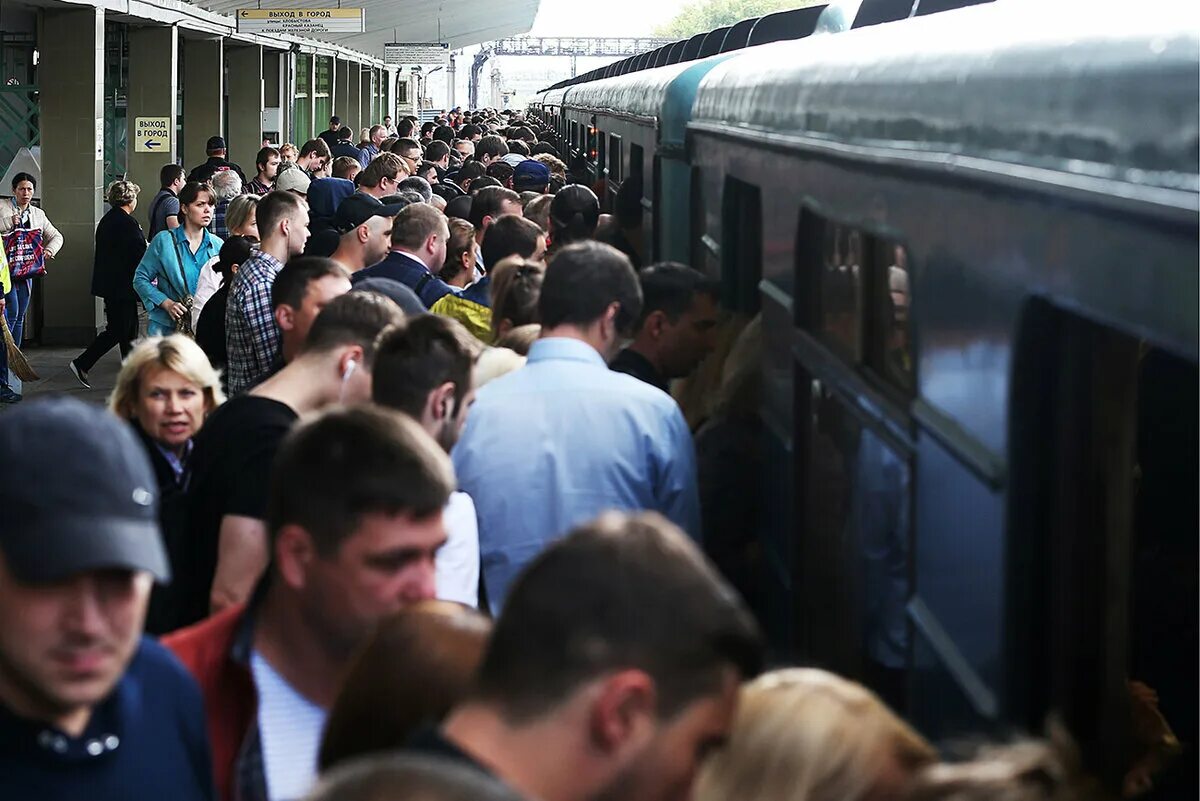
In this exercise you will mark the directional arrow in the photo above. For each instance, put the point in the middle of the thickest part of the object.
(153, 144)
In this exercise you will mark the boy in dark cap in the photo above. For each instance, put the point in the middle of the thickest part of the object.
(88, 707)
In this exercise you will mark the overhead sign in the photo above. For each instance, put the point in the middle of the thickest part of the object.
(151, 134)
(301, 21)
(415, 53)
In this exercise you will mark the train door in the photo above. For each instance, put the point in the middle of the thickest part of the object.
(1104, 517)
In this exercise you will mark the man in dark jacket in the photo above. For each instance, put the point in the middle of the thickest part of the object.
(120, 245)
(215, 148)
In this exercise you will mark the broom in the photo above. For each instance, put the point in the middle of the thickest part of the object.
(17, 362)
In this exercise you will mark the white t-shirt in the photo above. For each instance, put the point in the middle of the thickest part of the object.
(290, 727)
(457, 562)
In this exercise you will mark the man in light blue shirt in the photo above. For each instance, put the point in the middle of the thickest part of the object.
(558, 442)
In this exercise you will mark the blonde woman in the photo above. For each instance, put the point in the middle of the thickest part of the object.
(166, 389)
(808, 735)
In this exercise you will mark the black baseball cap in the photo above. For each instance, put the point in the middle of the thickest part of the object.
(87, 499)
(360, 207)
(215, 143)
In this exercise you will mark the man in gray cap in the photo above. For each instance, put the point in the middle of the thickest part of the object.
(89, 708)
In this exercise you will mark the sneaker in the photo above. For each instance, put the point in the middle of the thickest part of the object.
(79, 374)
(8, 396)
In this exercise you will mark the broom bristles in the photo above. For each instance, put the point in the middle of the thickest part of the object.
(17, 362)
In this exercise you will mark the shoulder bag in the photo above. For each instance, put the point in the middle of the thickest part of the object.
(184, 324)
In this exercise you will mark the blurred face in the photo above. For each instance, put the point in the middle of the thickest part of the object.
(320, 293)
(379, 240)
(685, 343)
(250, 227)
(465, 149)
(540, 253)
(296, 230)
(199, 213)
(169, 407)
(23, 194)
(411, 157)
(287, 154)
(385, 566)
(269, 170)
(64, 644)
(438, 255)
(666, 768)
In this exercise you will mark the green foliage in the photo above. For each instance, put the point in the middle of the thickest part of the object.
(705, 15)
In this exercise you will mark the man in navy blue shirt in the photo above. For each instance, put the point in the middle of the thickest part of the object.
(88, 707)
(419, 238)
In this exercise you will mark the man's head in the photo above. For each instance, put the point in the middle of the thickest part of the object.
(531, 176)
(678, 324)
(416, 183)
(651, 646)
(408, 777)
(490, 148)
(303, 288)
(381, 177)
(464, 147)
(574, 214)
(215, 146)
(314, 154)
(491, 203)
(335, 123)
(267, 162)
(512, 235)
(282, 224)
(345, 134)
(355, 516)
(423, 368)
(79, 545)
(439, 153)
(378, 134)
(346, 167)
(422, 230)
(172, 177)
(592, 290)
(468, 173)
(226, 185)
(366, 226)
(405, 128)
(343, 339)
(471, 133)
(387, 120)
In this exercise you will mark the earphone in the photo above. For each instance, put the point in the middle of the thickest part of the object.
(351, 366)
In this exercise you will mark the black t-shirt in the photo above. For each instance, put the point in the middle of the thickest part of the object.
(230, 475)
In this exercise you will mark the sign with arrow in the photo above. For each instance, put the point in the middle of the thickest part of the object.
(301, 21)
(152, 134)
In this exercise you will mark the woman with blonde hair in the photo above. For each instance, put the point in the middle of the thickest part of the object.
(807, 735)
(166, 389)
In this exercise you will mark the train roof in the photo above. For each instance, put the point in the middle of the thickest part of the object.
(1082, 88)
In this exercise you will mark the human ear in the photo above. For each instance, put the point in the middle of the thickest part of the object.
(294, 555)
(622, 711)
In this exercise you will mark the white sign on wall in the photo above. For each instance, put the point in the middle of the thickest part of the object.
(151, 134)
(301, 21)
(413, 54)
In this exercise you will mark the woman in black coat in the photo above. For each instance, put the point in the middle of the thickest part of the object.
(120, 245)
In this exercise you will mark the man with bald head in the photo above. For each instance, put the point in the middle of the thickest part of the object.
(418, 251)
(366, 226)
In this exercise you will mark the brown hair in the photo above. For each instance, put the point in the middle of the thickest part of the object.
(385, 165)
(462, 239)
(516, 286)
(419, 663)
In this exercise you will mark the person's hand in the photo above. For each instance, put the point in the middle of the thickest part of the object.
(49, 255)
(1, 304)
(173, 308)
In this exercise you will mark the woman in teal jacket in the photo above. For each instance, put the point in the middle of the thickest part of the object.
(175, 257)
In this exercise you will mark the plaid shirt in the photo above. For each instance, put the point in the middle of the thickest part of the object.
(217, 226)
(256, 187)
(251, 335)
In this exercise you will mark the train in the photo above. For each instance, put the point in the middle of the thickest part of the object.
(968, 243)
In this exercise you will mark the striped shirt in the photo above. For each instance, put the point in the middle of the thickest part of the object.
(251, 334)
(289, 730)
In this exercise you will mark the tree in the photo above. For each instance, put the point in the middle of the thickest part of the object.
(702, 16)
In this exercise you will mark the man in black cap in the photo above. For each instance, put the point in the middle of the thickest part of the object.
(215, 148)
(88, 707)
(330, 135)
(366, 226)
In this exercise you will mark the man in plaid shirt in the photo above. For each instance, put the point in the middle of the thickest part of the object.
(251, 335)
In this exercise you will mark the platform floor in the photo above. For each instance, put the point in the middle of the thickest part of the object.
(56, 379)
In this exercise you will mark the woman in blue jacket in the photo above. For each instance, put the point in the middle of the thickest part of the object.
(174, 258)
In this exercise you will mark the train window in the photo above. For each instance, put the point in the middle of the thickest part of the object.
(614, 158)
(600, 156)
(574, 139)
(858, 296)
(741, 250)
(855, 554)
(593, 136)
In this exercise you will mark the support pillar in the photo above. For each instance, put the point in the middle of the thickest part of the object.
(245, 105)
(71, 72)
(273, 119)
(364, 107)
(153, 56)
(352, 108)
(341, 88)
(451, 84)
(203, 97)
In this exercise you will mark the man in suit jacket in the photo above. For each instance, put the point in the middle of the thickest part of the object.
(120, 245)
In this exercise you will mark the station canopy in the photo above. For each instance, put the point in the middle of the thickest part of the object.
(458, 23)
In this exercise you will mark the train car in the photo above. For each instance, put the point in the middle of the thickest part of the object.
(971, 243)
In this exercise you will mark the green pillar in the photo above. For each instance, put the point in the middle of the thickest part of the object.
(153, 56)
(341, 88)
(245, 105)
(203, 97)
(352, 108)
(366, 108)
(71, 73)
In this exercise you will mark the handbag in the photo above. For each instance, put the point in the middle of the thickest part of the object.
(26, 253)
(184, 324)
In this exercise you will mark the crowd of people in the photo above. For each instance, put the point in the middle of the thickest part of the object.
(394, 502)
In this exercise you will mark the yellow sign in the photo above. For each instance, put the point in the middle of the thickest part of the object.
(301, 21)
(152, 134)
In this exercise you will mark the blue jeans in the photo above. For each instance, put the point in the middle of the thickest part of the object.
(16, 304)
